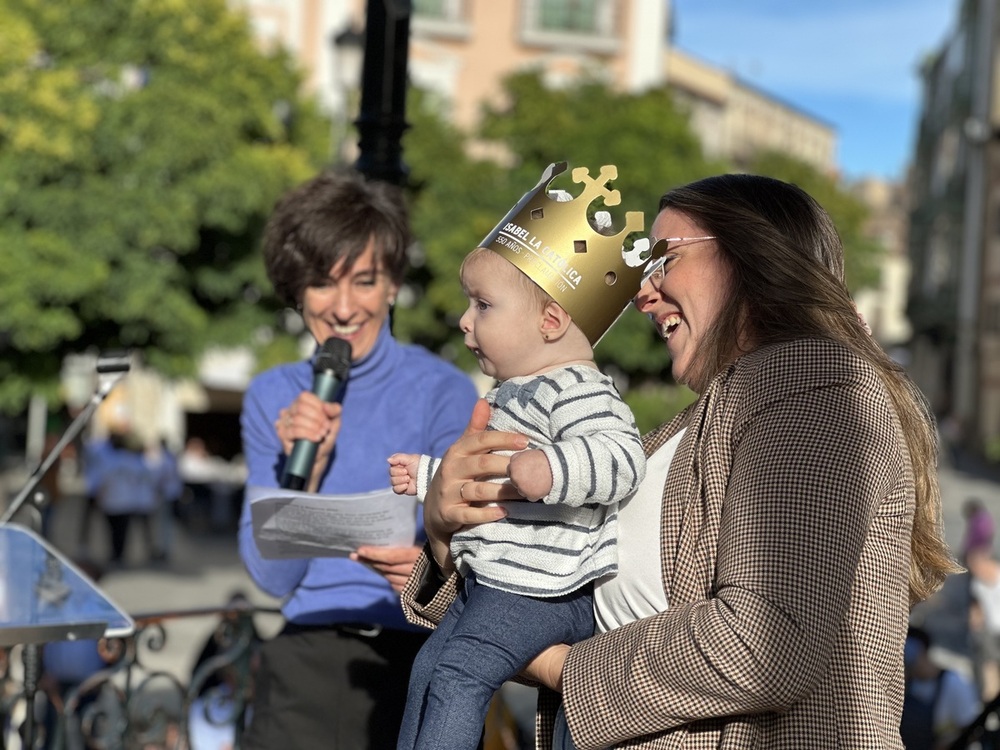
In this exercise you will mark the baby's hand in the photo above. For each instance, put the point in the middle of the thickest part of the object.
(403, 473)
(531, 474)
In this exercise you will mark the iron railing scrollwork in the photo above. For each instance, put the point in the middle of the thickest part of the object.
(129, 706)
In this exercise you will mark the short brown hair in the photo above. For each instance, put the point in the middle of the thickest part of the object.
(331, 219)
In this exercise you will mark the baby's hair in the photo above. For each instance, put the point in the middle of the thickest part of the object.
(539, 295)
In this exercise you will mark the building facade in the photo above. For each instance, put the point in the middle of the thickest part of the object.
(463, 49)
(884, 307)
(735, 120)
(954, 235)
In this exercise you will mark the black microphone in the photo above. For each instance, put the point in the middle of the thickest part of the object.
(333, 360)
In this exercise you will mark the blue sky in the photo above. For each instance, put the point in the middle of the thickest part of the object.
(850, 63)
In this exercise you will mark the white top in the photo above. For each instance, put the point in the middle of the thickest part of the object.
(988, 596)
(637, 590)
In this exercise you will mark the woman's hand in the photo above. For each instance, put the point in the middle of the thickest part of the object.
(310, 418)
(547, 667)
(395, 563)
(458, 495)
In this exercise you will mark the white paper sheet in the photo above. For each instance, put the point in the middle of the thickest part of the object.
(289, 524)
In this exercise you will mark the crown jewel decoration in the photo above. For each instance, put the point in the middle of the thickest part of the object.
(554, 244)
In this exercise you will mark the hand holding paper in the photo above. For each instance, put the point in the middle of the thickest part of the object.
(395, 563)
(289, 524)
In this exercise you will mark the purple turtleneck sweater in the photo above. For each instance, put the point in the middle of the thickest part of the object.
(398, 398)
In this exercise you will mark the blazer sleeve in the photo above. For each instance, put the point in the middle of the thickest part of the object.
(426, 596)
(808, 472)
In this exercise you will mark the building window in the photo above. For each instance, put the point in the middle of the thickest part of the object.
(568, 15)
(441, 18)
(590, 23)
(440, 10)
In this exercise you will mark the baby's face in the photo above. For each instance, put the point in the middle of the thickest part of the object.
(502, 324)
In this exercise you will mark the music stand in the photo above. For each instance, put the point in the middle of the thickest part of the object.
(44, 597)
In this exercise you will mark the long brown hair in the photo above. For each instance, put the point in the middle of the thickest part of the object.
(787, 281)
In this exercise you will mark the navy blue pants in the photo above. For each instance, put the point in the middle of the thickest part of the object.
(486, 638)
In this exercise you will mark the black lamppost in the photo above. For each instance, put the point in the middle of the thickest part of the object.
(348, 57)
(382, 117)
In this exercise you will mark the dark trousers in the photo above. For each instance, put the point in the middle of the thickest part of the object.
(486, 638)
(331, 688)
(119, 524)
(90, 509)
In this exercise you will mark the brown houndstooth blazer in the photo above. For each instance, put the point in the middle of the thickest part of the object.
(786, 529)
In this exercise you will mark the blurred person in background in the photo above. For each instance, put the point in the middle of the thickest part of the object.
(213, 713)
(94, 450)
(984, 619)
(979, 527)
(335, 249)
(127, 488)
(170, 488)
(939, 702)
(65, 666)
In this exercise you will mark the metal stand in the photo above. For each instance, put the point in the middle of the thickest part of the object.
(110, 370)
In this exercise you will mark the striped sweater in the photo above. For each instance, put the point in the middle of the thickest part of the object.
(549, 548)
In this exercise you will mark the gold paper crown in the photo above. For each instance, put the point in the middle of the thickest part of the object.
(555, 245)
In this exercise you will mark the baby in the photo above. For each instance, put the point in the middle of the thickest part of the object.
(528, 579)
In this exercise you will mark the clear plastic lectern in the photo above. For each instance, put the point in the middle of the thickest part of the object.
(44, 597)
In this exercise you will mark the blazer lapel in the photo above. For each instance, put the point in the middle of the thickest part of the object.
(692, 499)
(676, 488)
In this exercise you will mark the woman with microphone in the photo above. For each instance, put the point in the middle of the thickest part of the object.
(335, 249)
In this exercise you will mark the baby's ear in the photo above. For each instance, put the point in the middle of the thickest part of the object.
(555, 321)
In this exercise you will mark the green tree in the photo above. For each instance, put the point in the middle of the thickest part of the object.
(456, 199)
(142, 145)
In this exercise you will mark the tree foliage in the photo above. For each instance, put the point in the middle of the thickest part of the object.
(456, 199)
(142, 144)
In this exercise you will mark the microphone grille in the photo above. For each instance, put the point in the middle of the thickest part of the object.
(335, 355)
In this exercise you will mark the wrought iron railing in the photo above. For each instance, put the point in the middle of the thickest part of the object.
(129, 705)
(984, 732)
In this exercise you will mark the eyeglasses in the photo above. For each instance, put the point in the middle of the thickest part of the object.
(654, 271)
